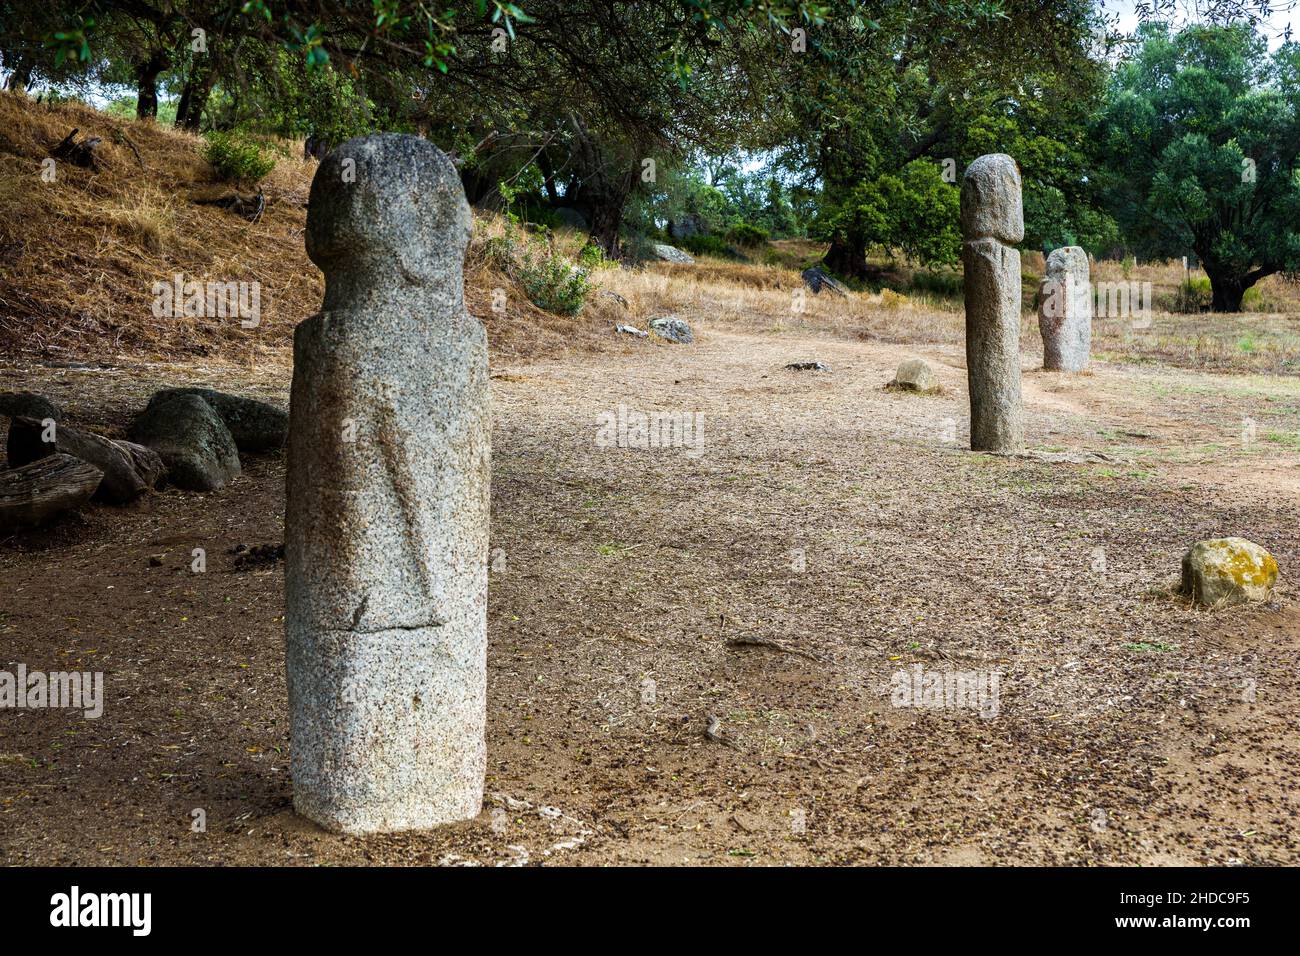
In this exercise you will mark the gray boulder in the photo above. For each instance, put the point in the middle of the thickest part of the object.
(129, 469)
(914, 375)
(1224, 571)
(686, 226)
(673, 329)
(671, 254)
(192, 440)
(255, 426)
(29, 405)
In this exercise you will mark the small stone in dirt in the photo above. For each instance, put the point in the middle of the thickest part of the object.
(818, 279)
(254, 425)
(631, 330)
(914, 375)
(808, 367)
(257, 555)
(28, 405)
(192, 440)
(673, 329)
(1223, 571)
(671, 254)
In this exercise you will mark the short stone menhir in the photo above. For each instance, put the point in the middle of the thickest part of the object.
(1065, 311)
(992, 224)
(386, 523)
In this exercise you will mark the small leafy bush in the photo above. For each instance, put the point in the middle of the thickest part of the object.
(743, 234)
(237, 160)
(551, 281)
(1195, 295)
(702, 245)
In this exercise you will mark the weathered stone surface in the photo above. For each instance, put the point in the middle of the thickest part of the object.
(255, 426)
(813, 366)
(29, 405)
(148, 464)
(1065, 311)
(686, 226)
(631, 330)
(129, 470)
(671, 254)
(818, 279)
(191, 439)
(914, 375)
(673, 329)
(36, 492)
(990, 200)
(386, 523)
(1225, 571)
(992, 218)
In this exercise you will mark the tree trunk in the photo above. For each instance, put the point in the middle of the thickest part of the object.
(548, 178)
(21, 78)
(194, 97)
(605, 220)
(847, 259)
(146, 104)
(1227, 289)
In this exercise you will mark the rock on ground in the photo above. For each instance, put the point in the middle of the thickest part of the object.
(671, 254)
(129, 470)
(29, 405)
(673, 329)
(255, 426)
(36, 492)
(818, 279)
(192, 441)
(914, 375)
(1224, 571)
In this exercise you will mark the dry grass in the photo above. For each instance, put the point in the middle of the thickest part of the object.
(79, 256)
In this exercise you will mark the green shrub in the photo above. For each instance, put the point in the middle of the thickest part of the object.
(237, 160)
(702, 245)
(552, 282)
(945, 284)
(591, 257)
(743, 234)
(1195, 295)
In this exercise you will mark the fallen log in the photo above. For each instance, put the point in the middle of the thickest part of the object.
(32, 494)
(79, 154)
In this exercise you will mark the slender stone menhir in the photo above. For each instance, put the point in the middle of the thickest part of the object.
(386, 523)
(1065, 311)
(992, 222)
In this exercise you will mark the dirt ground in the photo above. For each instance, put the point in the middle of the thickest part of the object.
(692, 649)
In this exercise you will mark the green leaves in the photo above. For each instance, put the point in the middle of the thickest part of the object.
(72, 44)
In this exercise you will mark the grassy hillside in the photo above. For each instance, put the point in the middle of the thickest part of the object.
(79, 255)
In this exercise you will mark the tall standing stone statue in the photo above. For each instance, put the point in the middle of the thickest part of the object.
(386, 523)
(1065, 311)
(992, 222)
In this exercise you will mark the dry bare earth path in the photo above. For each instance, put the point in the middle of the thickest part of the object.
(839, 531)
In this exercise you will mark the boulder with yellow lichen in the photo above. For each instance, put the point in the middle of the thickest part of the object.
(1223, 571)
